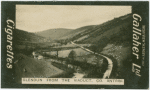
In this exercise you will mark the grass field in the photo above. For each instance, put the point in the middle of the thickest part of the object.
(29, 67)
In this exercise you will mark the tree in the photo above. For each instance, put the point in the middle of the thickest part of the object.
(72, 55)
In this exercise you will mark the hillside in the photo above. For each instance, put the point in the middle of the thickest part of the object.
(20, 35)
(76, 32)
(25, 42)
(29, 67)
(113, 31)
(53, 34)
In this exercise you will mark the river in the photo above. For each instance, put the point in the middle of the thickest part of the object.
(78, 75)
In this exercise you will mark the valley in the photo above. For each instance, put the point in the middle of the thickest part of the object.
(94, 51)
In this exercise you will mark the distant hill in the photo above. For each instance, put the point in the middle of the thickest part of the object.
(81, 34)
(78, 31)
(116, 30)
(23, 36)
(54, 33)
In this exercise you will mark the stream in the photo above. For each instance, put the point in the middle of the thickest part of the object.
(78, 75)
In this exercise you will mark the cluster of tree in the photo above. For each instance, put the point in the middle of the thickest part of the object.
(85, 65)
(62, 41)
(27, 50)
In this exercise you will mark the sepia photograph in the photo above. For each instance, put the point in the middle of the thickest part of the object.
(75, 45)
(72, 41)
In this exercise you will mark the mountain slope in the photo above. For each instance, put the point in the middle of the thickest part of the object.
(111, 31)
(76, 32)
(20, 35)
(54, 33)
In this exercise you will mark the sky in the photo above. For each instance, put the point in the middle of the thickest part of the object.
(35, 18)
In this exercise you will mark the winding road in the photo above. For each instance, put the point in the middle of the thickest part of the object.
(110, 63)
